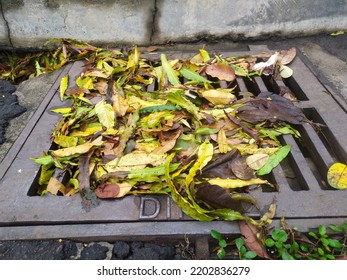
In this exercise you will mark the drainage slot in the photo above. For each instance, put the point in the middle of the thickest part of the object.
(326, 136)
(295, 182)
(295, 88)
(251, 86)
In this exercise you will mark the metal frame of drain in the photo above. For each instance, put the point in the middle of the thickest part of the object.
(303, 198)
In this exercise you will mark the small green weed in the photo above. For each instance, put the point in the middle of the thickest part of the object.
(243, 252)
(285, 243)
(221, 243)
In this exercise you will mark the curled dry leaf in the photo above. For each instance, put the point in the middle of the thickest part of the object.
(221, 71)
(287, 56)
(252, 242)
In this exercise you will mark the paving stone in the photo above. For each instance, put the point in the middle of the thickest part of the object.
(121, 250)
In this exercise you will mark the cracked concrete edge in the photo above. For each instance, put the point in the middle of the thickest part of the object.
(5, 31)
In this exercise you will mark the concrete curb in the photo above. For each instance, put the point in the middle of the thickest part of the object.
(30, 23)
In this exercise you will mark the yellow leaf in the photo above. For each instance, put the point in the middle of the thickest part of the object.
(205, 154)
(66, 141)
(64, 110)
(222, 142)
(337, 176)
(86, 82)
(124, 188)
(135, 160)
(120, 105)
(105, 114)
(80, 149)
(257, 161)
(54, 186)
(340, 32)
(237, 183)
(63, 86)
(218, 97)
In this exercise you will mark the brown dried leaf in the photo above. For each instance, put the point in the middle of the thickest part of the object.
(271, 107)
(240, 168)
(221, 71)
(252, 242)
(169, 141)
(287, 56)
(217, 197)
(83, 167)
(107, 191)
(152, 49)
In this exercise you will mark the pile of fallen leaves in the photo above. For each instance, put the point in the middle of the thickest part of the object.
(141, 126)
(18, 66)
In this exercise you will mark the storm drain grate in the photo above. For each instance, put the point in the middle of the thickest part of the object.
(303, 197)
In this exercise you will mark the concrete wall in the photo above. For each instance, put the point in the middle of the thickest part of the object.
(30, 23)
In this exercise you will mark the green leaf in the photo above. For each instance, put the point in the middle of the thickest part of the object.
(274, 160)
(171, 74)
(239, 243)
(322, 230)
(221, 253)
(279, 235)
(66, 141)
(216, 234)
(228, 215)
(206, 131)
(222, 243)
(335, 228)
(75, 183)
(46, 173)
(193, 76)
(177, 98)
(313, 235)
(150, 174)
(65, 110)
(250, 255)
(334, 243)
(320, 251)
(269, 242)
(336, 33)
(63, 86)
(105, 114)
(286, 255)
(44, 160)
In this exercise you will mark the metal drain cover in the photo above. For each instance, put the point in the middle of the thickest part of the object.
(304, 198)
